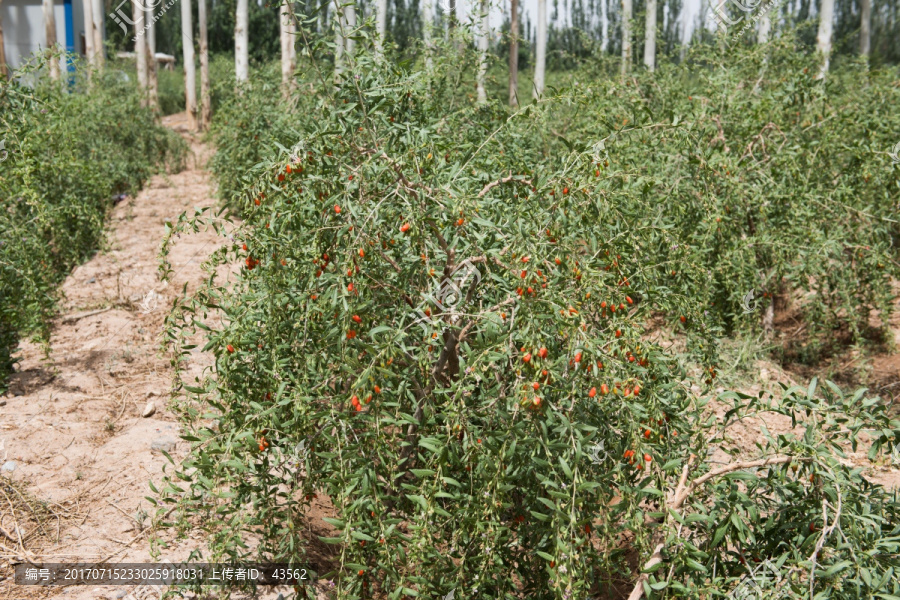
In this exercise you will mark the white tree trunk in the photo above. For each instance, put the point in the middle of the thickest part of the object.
(826, 26)
(150, 34)
(865, 27)
(190, 80)
(540, 64)
(765, 26)
(287, 50)
(514, 53)
(241, 43)
(427, 26)
(50, 35)
(650, 36)
(350, 20)
(339, 25)
(626, 37)
(99, 49)
(483, 40)
(4, 70)
(205, 106)
(140, 44)
(380, 26)
(88, 12)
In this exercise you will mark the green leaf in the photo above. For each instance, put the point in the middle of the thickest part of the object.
(695, 566)
(330, 540)
(337, 523)
(565, 467)
(548, 503)
(836, 568)
(418, 499)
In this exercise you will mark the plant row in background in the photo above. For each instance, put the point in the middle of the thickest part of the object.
(66, 155)
(440, 323)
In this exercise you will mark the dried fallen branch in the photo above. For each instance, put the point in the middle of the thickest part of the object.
(682, 493)
(79, 316)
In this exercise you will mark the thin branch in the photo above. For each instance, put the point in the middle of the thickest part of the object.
(509, 179)
(826, 531)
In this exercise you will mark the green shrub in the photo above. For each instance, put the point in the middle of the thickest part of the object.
(440, 324)
(246, 128)
(776, 185)
(68, 154)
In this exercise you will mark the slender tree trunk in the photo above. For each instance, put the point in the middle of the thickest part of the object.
(50, 35)
(99, 48)
(190, 80)
(205, 106)
(540, 64)
(451, 18)
(287, 50)
(140, 44)
(765, 26)
(350, 21)
(4, 70)
(823, 40)
(88, 12)
(427, 26)
(339, 24)
(380, 25)
(152, 79)
(514, 53)
(650, 36)
(626, 37)
(241, 43)
(762, 38)
(483, 40)
(865, 27)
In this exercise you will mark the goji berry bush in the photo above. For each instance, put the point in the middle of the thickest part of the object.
(775, 184)
(66, 155)
(440, 324)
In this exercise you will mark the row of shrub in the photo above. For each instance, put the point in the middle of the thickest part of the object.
(775, 184)
(440, 325)
(67, 154)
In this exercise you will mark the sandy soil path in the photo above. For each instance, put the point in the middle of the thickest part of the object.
(72, 430)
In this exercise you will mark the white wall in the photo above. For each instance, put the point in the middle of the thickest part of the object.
(23, 28)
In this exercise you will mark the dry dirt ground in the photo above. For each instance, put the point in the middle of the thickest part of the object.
(73, 429)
